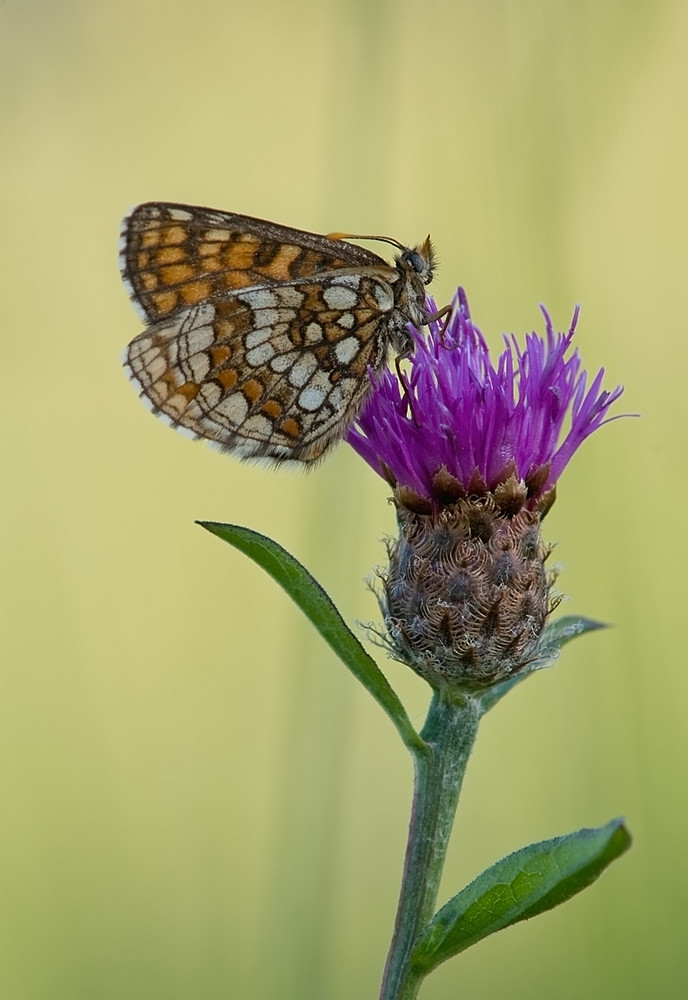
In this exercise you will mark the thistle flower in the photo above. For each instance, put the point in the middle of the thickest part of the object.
(473, 453)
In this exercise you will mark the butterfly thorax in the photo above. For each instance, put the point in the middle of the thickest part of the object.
(415, 267)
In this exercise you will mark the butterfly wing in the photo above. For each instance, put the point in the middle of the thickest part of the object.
(176, 256)
(276, 371)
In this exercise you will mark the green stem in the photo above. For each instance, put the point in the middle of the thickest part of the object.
(448, 734)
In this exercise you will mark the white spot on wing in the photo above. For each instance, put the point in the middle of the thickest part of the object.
(180, 214)
(234, 407)
(201, 314)
(259, 298)
(340, 297)
(302, 370)
(259, 426)
(255, 337)
(267, 317)
(311, 398)
(199, 365)
(346, 349)
(283, 361)
(153, 367)
(199, 339)
(139, 345)
(210, 393)
(260, 355)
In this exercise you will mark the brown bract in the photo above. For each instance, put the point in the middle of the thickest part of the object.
(466, 595)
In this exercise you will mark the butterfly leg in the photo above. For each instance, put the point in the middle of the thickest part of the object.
(405, 383)
(446, 311)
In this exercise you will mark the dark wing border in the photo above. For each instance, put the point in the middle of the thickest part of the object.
(210, 218)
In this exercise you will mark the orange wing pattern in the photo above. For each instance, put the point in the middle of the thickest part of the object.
(175, 256)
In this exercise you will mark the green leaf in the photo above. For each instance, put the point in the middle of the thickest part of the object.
(307, 593)
(554, 636)
(520, 886)
(563, 630)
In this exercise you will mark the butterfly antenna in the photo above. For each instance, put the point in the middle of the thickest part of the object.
(354, 236)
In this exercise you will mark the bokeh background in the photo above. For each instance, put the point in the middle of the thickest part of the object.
(197, 799)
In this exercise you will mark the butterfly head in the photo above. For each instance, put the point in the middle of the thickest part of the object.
(420, 260)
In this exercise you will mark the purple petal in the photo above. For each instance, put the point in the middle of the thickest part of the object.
(459, 412)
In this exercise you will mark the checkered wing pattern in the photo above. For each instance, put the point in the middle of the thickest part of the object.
(272, 371)
(261, 338)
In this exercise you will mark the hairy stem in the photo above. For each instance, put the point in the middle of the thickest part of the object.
(448, 734)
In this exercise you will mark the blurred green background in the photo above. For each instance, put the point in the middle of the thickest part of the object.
(197, 800)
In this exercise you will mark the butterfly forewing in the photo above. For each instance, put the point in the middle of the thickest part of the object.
(174, 256)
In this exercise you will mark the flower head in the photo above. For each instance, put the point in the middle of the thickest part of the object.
(473, 453)
(462, 427)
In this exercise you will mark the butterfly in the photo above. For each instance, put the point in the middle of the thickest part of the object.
(262, 338)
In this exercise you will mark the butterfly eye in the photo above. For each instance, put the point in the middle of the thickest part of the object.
(413, 258)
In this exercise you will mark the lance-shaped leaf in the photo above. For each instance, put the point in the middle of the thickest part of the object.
(563, 630)
(554, 636)
(525, 883)
(307, 593)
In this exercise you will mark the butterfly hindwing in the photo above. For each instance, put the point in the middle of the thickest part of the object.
(277, 371)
